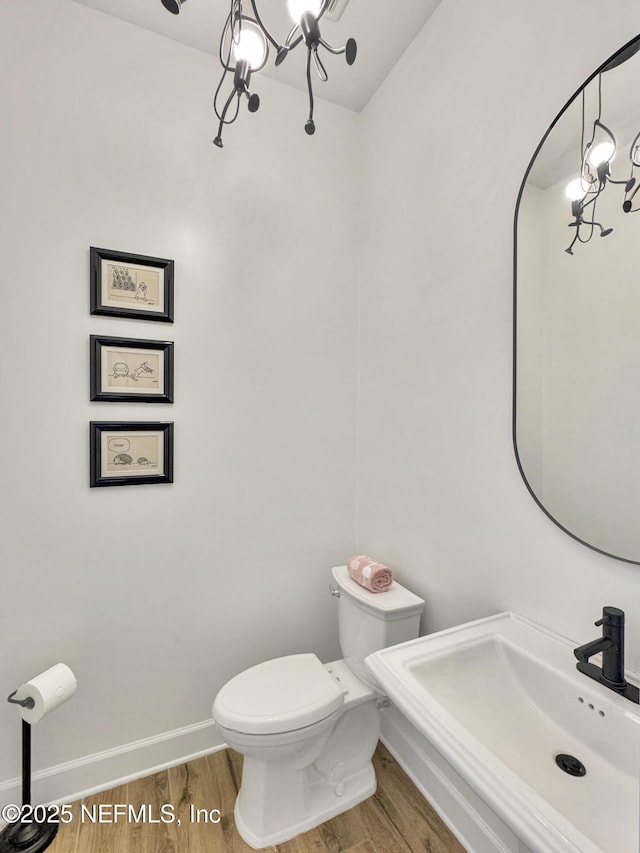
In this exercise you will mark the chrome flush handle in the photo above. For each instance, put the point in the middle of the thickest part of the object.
(334, 590)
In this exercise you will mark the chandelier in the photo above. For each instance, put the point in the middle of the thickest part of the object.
(598, 147)
(244, 50)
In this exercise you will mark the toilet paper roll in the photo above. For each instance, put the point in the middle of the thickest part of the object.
(49, 690)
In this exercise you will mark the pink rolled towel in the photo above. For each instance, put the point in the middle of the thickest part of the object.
(370, 574)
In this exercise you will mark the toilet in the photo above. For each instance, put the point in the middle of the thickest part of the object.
(308, 730)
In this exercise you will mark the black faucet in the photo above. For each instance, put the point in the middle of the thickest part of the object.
(611, 644)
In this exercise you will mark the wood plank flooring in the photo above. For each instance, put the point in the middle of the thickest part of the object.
(396, 819)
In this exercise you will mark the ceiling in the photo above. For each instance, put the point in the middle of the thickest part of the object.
(383, 31)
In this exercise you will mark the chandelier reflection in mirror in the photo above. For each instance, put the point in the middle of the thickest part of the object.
(244, 49)
(597, 153)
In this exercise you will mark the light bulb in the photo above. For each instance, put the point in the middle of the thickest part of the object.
(574, 190)
(601, 153)
(298, 7)
(251, 46)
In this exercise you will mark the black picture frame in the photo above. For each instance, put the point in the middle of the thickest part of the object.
(113, 460)
(127, 285)
(115, 382)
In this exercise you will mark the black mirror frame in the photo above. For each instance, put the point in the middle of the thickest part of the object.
(617, 58)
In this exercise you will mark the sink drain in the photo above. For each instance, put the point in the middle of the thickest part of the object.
(570, 764)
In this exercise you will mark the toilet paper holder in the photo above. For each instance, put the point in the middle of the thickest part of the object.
(33, 834)
(30, 832)
(28, 702)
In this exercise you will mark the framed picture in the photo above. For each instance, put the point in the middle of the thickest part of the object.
(124, 285)
(131, 370)
(131, 454)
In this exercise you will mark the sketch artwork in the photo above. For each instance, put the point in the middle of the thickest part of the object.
(131, 285)
(132, 371)
(134, 453)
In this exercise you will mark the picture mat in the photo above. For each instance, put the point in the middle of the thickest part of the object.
(114, 379)
(143, 286)
(118, 447)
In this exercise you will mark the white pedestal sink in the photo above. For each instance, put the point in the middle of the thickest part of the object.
(500, 699)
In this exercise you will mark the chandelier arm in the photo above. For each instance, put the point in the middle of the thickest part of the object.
(599, 97)
(323, 8)
(632, 196)
(309, 84)
(262, 26)
(588, 239)
(227, 67)
(335, 50)
(309, 126)
(228, 26)
(569, 249)
(222, 116)
(593, 132)
(218, 140)
(585, 148)
(609, 133)
(294, 43)
(591, 222)
(217, 92)
(593, 136)
(235, 115)
(604, 232)
(322, 71)
(591, 201)
(634, 147)
(586, 174)
(235, 17)
(290, 42)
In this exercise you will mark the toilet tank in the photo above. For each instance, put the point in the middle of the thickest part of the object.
(369, 621)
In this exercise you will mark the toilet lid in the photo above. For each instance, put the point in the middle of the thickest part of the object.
(279, 695)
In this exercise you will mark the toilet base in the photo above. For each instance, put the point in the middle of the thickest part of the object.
(326, 800)
(291, 785)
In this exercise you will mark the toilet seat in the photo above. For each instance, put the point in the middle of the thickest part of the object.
(278, 696)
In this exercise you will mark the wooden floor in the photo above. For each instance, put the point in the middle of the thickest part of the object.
(396, 819)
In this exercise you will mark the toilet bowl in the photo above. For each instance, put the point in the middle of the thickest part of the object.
(308, 730)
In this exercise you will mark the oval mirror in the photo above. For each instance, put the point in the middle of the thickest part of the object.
(576, 408)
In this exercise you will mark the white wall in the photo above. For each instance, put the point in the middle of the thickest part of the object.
(448, 139)
(156, 595)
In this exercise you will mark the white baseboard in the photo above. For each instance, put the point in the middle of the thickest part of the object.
(73, 780)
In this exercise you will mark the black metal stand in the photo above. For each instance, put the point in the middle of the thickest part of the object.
(34, 830)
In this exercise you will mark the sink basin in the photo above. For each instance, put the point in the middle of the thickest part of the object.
(500, 699)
